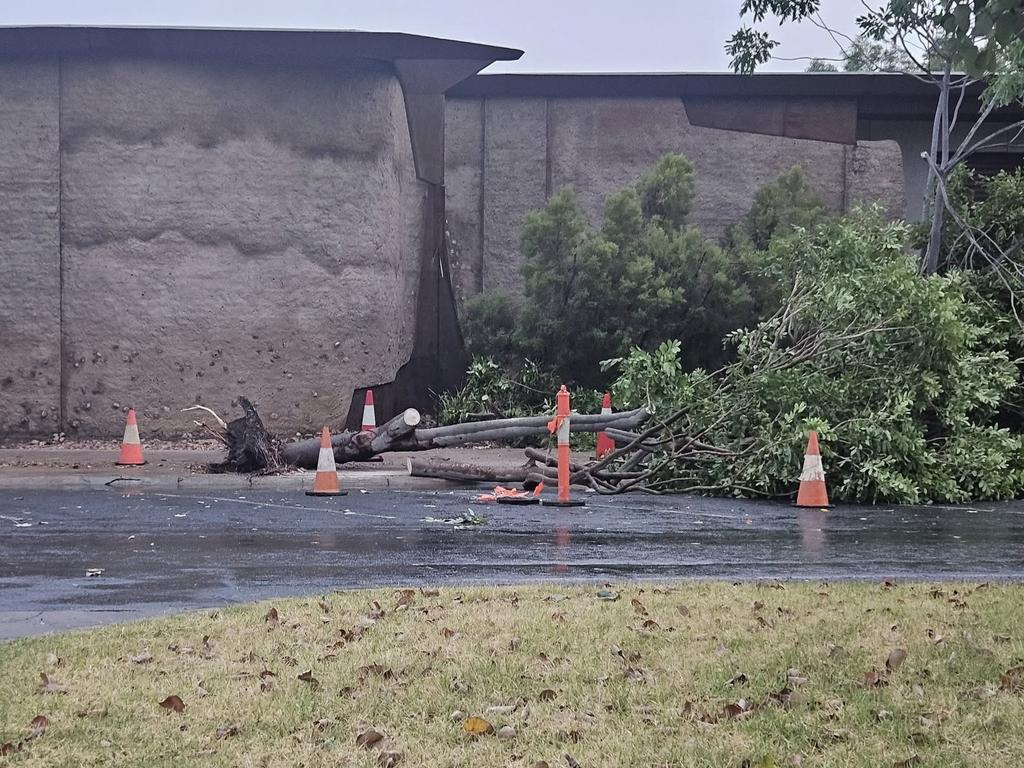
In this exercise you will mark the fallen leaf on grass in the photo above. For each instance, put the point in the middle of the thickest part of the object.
(1012, 680)
(783, 697)
(506, 732)
(571, 762)
(448, 634)
(683, 611)
(307, 677)
(143, 658)
(896, 657)
(369, 738)
(376, 612)
(630, 656)
(271, 618)
(476, 726)
(49, 685)
(430, 592)
(390, 758)
(547, 695)
(910, 762)
(376, 670)
(740, 708)
(638, 607)
(227, 731)
(53, 660)
(651, 625)
(38, 725)
(405, 599)
(200, 689)
(874, 679)
(607, 594)
(173, 703)
(740, 679)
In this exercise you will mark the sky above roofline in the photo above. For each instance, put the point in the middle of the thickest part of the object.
(557, 35)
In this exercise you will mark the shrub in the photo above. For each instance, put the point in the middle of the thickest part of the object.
(642, 278)
(489, 327)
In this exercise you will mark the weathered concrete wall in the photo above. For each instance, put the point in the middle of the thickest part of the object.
(29, 248)
(229, 229)
(528, 147)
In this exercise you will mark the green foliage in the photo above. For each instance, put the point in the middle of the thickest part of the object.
(780, 209)
(993, 210)
(642, 278)
(863, 54)
(981, 37)
(489, 326)
(499, 391)
(652, 380)
(903, 376)
(788, 203)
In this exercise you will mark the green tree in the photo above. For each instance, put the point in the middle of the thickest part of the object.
(952, 44)
(780, 209)
(644, 276)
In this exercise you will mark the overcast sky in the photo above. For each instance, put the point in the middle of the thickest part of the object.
(557, 35)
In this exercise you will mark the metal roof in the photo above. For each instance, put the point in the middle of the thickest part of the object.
(824, 84)
(240, 42)
(879, 95)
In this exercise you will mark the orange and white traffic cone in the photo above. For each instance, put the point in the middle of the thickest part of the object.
(326, 481)
(560, 425)
(605, 444)
(369, 415)
(812, 491)
(131, 446)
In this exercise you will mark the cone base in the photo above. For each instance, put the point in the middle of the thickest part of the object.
(518, 501)
(130, 463)
(557, 503)
(826, 505)
(327, 493)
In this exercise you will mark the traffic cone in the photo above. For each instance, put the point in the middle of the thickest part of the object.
(560, 424)
(369, 415)
(131, 446)
(326, 481)
(812, 491)
(605, 444)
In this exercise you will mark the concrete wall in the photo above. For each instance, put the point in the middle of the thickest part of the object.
(29, 248)
(509, 153)
(225, 229)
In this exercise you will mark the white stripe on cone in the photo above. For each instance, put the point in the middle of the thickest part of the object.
(131, 434)
(325, 461)
(369, 417)
(563, 432)
(812, 469)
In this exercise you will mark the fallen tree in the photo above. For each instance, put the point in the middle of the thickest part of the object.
(253, 449)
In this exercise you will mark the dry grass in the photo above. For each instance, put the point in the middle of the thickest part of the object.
(599, 680)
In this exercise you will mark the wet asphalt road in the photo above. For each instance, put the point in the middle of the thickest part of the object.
(163, 552)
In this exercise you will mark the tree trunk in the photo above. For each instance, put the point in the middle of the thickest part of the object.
(937, 175)
(352, 446)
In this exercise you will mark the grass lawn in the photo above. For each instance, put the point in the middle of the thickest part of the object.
(695, 674)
